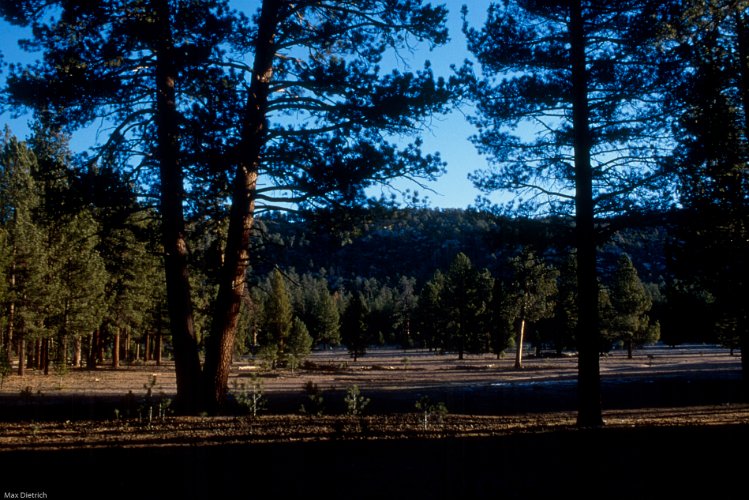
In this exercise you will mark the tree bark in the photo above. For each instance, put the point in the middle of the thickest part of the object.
(78, 351)
(93, 350)
(179, 303)
(519, 351)
(128, 357)
(147, 348)
(589, 390)
(21, 356)
(742, 35)
(36, 358)
(159, 334)
(45, 355)
(220, 343)
(116, 350)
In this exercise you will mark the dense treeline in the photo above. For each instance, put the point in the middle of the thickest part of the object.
(460, 281)
(405, 269)
(79, 269)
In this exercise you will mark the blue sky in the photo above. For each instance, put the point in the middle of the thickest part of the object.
(448, 135)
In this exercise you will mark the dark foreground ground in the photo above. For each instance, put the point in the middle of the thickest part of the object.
(679, 433)
(652, 462)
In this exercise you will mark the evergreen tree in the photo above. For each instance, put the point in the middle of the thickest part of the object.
(565, 312)
(80, 278)
(534, 289)
(406, 303)
(134, 272)
(465, 301)
(165, 74)
(503, 315)
(318, 310)
(707, 87)
(631, 303)
(29, 289)
(431, 318)
(570, 75)
(355, 326)
(299, 343)
(278, 318)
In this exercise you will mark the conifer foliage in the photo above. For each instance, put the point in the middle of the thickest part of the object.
(287, 106)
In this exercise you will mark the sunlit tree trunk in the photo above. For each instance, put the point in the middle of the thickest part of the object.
(78, 352)
(519, 351)
(116, 349)
(220, 344)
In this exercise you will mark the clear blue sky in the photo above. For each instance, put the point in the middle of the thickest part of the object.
(448, 135)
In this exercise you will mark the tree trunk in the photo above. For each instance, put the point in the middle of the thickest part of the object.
(128, 356)
(37, 358)
(742, 35)
(519, 351)
(45, 355)
(629, 349)
(116, 350)
(92, 350)
(179, 303)
(589, 379)
(78, 352)
(220, 343)
(158, 349)
(8, 338)
(744, 346)
(147, 348)
(21, 356)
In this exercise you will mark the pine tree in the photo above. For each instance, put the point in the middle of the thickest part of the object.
(299, 344)
(431, 319)
(318, 310)
(534, 289)
(80, 278)
(355, 326)
(465, 299)
(631, 303)
(278, 318)
(571, 76)
(503, 315)
(706, 82)
(164, 74)
(406, 303)
(29, 290)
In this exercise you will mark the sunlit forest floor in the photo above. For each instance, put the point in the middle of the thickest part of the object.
(394, 380)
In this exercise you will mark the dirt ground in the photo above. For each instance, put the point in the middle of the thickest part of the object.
(673, 422)
(393, 381)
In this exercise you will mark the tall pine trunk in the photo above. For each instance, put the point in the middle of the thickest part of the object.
(220, 344)
(589, 379)
(116, 350)
(742, 36)
(179, 303)
(78, 351)
(21, 356)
